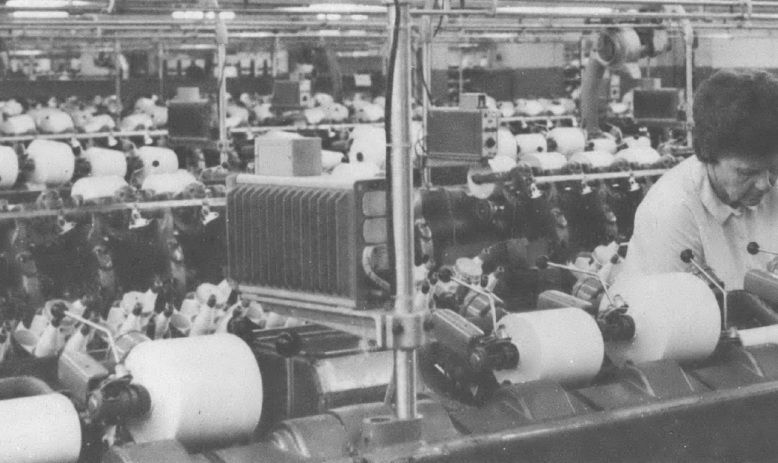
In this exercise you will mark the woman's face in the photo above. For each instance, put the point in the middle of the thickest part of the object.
(742, 181)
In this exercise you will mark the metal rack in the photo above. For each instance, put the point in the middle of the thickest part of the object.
(83, 136)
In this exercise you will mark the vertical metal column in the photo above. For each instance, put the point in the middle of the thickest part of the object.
(688, 36)
(117, 64)
(426, 75)
(402, 210)
(161, 70)
(221, 59)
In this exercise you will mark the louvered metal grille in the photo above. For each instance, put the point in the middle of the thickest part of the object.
(299, 239)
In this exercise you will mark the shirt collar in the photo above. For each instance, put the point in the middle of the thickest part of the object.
(715, 206)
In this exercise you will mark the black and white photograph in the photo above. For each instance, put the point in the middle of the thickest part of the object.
(388, 231)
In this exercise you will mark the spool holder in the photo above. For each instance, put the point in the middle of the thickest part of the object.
(687, 256)
(489, 295)
(614, 323)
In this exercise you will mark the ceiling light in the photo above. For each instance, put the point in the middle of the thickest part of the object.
(32, 4)
(39, 14)
(539, 10)
(344, 8)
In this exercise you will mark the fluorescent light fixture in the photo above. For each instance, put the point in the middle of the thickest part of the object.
(31, 14)
(194, 15)
(329, 32)
(26, 52)
(359, 17)
(32, 4)
(343, 8)
(357, 33)
(188, 14)
(591, 10)
(254, 35)
(196, 46)
(328, 17)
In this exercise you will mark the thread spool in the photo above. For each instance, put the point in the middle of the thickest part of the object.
(91, 188)
(135, 122)
(39, 429)
(487, 190)
(323, 99)
(592, 159)
(54, 162)
(9, 167)
(607, 144)
(567, 140)
(370, 113)
(506, 143)
(336, 112)
(168, 183)
(104, 162)
(206, 290)
(563, 345)
(530, 143)
(313, 116)
(641, 156)
(507, 108)
(99, 123)
(55, 121)
(676, 318)
(529, 108)
(371, 142)
(22, 124)
(205, 390)
(544, 162)
(158, 160)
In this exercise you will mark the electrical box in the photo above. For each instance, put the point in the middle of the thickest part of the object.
(468, 135)
(291, 94)
(295, 157)
(190, 119)
(308, 240)
(472, 101)
(657, 104)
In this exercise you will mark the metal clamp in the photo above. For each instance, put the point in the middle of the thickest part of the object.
(137, 220)
(207, 215)
(406, 331)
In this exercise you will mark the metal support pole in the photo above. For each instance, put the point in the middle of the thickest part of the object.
(426, 75)
(161, 70)
(118, 69)
(688, 35)
(402, 210)
(221, 59)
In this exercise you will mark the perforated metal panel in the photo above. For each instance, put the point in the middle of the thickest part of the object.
(302, 239)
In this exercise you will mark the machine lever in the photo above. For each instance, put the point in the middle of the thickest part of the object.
(754, 249)
(687, 256)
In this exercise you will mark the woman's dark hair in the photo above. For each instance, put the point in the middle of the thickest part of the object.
(736, 114)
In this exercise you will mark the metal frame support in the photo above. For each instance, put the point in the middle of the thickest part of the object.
(688, 35)
(221, 59)
(402, 211)
(426, 75)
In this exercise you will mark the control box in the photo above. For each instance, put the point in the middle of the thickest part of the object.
(291, 94)
(468, 135)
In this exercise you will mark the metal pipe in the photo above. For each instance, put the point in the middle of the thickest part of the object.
(221, 61)
(402, 209)
(161, 70)
(426, 75)
(688, 36)
(572, 14)
(118, 68)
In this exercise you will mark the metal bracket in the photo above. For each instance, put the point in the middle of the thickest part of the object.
(406, 331)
